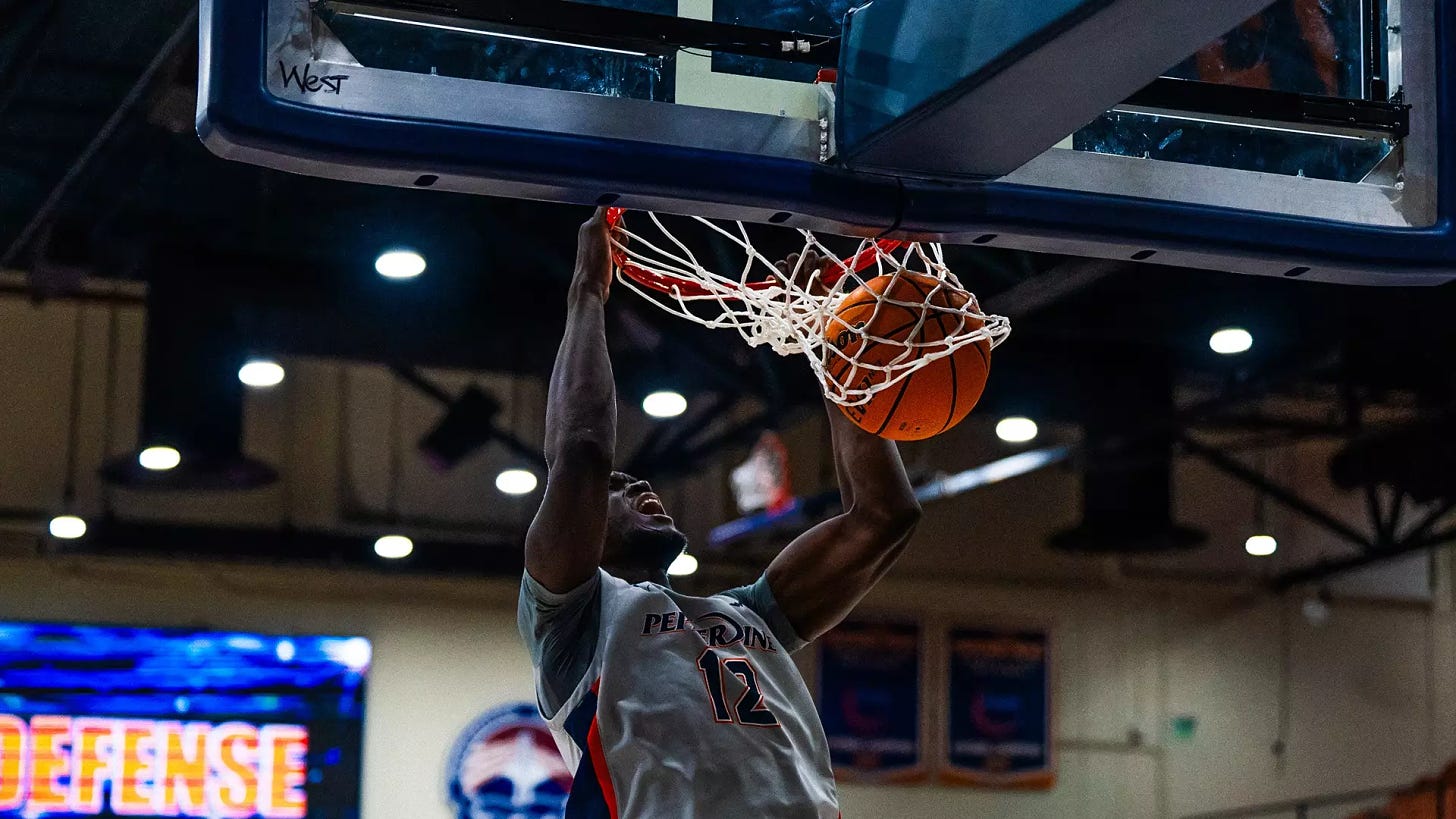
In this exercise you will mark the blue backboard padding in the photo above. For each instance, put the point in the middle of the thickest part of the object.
(911, 53)
(239, 112)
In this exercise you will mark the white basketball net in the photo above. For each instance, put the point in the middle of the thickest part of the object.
(790, 316)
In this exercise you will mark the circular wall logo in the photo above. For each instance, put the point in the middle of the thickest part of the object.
(506, 766)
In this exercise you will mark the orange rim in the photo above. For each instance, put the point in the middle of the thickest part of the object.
(684, 287)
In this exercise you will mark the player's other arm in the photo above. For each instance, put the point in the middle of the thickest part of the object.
(564, 543)
(824, 573)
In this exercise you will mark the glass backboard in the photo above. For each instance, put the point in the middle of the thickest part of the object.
(1304, 142)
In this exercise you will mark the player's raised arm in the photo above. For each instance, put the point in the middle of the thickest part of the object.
(564, 544)
(824, 573)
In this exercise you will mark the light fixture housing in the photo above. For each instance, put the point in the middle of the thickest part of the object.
(516, 482)
(665, 404)
(684, 565)
(1016, 429)
(261, 373)
(394, 547)
(1261, 545)
(400, 264)
(1231, 341)
(159, 458)
(67, 527)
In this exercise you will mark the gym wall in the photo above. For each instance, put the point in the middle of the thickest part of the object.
(1367, 700)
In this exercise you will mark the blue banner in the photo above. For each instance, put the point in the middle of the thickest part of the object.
(1000, 728)
(869, 699)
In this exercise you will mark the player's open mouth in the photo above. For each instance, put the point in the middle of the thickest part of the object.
(650, 504)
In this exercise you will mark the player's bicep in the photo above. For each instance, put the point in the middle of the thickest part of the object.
(822, 575)
(759, 598)
(564, 543)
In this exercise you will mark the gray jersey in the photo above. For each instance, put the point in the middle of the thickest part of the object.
(668, 706)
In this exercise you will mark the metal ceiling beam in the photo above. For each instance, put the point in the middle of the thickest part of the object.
(469, 553)
(113, 123)
(1260, 422)
(1329, 568)
(1277, 492)
(1430, 520)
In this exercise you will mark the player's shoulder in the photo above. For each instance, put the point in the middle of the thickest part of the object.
(749, 596)
(616, 585)
(740, 597)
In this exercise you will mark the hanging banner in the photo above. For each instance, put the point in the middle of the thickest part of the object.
(869, 700)
(999, 706)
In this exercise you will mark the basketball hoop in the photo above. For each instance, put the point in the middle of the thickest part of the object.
(791, 314)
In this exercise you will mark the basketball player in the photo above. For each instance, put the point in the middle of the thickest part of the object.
(668, 706)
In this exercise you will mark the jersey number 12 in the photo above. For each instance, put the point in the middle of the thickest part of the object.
(749, 710)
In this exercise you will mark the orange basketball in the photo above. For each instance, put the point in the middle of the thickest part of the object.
(935, 397)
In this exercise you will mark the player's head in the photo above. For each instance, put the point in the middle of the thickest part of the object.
(640, 533)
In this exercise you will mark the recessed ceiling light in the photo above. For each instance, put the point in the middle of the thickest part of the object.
(1016, 430)
(685, 564)
(1231, 341)
(261, 373)
(1261, 545)
(67, 527)
(400, 264)
(516, 482)
(394, 547)
(664, 404)
(159, 458)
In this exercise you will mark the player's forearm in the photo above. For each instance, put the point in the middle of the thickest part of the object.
(841, 471)
(581, 405)
(824, 573)
(872, 479)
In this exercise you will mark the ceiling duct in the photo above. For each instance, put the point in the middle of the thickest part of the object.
(1126, 404)
(192, 400)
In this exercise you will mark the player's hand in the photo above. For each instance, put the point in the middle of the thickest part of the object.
(594, 256)
(806, 272)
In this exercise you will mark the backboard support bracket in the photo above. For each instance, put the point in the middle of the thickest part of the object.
(604, 26)
(1230, 102)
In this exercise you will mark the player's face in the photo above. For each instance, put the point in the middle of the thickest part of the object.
(640, 533)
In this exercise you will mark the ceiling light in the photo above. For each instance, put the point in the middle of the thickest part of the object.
(159, 458)
(67, 527)
(1230, 341)
(394, 547)
(1261, 545)
(516, 482)
(261, 373)
(400, 264)
(664, 404)
(1016, 430)
(685, 565)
